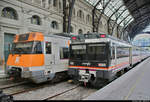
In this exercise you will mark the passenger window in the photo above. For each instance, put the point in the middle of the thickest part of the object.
(64, 53)
(48, 48)
(113, 53)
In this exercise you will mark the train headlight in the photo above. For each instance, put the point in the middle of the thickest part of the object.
(71, 63)
(101, 64)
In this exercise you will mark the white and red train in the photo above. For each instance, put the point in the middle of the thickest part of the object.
(98, 58)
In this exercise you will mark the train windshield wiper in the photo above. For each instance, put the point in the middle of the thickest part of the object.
(19, 50)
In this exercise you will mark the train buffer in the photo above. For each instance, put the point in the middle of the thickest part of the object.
(133, 85)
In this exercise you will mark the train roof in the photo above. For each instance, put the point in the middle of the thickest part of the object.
(96, 37)
(63, 35)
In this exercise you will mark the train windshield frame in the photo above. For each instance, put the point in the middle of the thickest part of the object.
(92, 52)
(30, 47)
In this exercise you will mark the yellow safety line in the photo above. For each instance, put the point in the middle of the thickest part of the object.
(134, 86)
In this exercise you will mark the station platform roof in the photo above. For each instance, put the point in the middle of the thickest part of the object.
(132, 15)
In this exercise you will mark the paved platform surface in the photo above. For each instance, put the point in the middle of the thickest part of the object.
(133, 85)
(2, 73)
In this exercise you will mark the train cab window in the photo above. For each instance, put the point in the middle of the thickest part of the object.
(64, 53)
(78, 52)
(96, 52)
(38, 48)
(48, 48)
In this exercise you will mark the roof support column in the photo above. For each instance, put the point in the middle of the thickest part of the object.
(96, 19)
(108, 22)
(71, 6)
(65, 15)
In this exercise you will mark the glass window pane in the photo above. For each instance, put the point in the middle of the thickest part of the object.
(112, 7)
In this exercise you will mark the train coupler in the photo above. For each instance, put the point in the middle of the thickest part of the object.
(85, 78)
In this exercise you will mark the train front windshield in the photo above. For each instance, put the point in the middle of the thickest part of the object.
(33, 47)
(88, 52)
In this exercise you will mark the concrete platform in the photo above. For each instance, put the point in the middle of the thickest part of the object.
(2, 73)
(133, 85)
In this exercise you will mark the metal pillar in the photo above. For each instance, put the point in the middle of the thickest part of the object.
(65, 15)
(71, 6)
(97, 20)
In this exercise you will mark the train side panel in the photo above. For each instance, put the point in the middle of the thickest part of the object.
(56, 58)
(38, 57)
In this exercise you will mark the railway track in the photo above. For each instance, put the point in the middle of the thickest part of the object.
(13, 85)
(27, 86)
(25, 90)
(53, 92)
(50, 97)
(34, 87)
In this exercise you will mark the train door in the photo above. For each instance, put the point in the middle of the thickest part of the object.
(62, 55)
(113, 55)
(116, 62)
(130, 56)
(49, 57)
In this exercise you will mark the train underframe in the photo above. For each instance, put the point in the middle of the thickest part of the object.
(97, 80)
(37, 77)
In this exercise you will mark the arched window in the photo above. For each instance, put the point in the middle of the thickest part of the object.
(88, 19)
(55, 3)
(54, 25)
(80, 14)
(10, 13)
(83, 16)
(80, 31)
(59, 5)
(36, 20)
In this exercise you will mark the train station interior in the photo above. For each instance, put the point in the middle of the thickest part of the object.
(50, 32)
